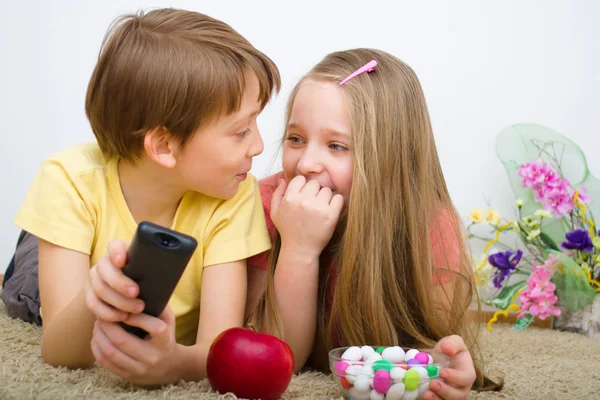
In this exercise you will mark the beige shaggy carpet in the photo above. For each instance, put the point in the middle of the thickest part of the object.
(536, 364)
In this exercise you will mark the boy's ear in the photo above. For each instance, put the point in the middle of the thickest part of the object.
(161, 146)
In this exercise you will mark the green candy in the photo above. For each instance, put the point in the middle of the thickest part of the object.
(383, 364)
(411, 379)
(380, 350)
(432, 370)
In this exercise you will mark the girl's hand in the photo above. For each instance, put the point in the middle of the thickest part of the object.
(459, 375)
(109, 294)
(145, 362)
(305, 214)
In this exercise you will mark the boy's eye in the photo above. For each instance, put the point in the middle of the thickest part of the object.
(244, 133)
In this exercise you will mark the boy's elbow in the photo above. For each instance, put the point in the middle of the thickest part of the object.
(57, 360)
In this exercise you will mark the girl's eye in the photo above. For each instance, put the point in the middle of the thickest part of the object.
(294, 139)
(337, 147)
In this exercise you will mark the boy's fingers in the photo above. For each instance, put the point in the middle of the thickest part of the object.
(115, 278)
(117, 252)
(457, 378)
(101, 309)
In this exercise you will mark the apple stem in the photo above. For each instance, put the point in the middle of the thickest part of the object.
(250, 326)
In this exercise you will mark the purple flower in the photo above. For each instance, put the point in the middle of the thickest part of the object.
(579, 239)
(505, 263)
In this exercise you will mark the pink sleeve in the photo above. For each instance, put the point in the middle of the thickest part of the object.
(445, 249)
(266, 186)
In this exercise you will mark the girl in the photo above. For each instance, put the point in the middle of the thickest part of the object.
(367, 243)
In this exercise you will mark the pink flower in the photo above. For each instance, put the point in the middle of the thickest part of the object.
(533, 173)
(583, 197)
(552, 263)
(557, 201)
(544, 306)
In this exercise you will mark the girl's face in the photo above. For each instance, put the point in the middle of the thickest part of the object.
(317, 140)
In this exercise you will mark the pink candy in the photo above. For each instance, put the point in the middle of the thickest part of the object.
(340, 368)
(381, 381)
(422, 357)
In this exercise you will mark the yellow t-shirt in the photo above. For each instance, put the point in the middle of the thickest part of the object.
(76, 202)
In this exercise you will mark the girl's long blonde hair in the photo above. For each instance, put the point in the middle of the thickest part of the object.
(383, 264)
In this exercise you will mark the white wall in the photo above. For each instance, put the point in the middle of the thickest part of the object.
(483, 65)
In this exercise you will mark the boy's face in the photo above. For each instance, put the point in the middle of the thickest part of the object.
(317, 142)
(218, 158)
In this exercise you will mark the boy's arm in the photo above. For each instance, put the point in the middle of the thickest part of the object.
(67, 323)
(222, 304)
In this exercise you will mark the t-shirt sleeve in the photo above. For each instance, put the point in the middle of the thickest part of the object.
(267, 187)
(445, 249)
(237, 230)
(55, 209)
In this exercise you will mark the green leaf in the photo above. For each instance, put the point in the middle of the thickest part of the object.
(573, 290)
(523, 323)
(504, 298)
(548, 241)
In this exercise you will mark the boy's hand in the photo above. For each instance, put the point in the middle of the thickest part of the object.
(145, 362)
(459, 375)
(109, 294)
(305, 214)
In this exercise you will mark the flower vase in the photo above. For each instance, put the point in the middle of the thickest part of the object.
(585, 321)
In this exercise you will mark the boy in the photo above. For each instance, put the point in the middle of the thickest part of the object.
(173, 103)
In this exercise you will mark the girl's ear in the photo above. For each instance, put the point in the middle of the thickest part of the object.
(160, 146)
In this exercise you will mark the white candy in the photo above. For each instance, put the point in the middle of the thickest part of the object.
(395, 391)
(356, 395)
(410, 354)
(430, 359)
(367, 370)
(394, 354)
(352, 372)
(362, 384)
(422, 372)
(376, 396)
(397, 374)
(366, 352)
(352, 353)
(423, 388)
(373, 357)
(411, 395)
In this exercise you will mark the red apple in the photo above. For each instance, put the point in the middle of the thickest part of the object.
(249, 364)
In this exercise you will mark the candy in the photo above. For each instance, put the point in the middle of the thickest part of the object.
(397, 374)
(367, 370)
(362, 384)
(356, 395)
(410, 354)
(394, 354)
(381, 381)
(422, 357)
(373, 357)
(413, 362)
(352, 372)
(411, 379)
(395, 391)
(345, 384)
(366, 352)
(382, 364)
(423, 388)
(432, 370)
(410, 395)
(380, 350)
(352, 353)
(423, 374)
(341, 367)
(377, 396)
(430, 359)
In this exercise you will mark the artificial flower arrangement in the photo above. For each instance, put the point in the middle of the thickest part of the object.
(539, 276)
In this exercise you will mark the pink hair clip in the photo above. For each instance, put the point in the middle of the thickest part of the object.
(368, 67)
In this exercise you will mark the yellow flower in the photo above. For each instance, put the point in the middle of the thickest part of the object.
(543, 213)
(484, 276)
(533, 234)
(534, 224)
(516, 227)
(519, 203)
(596, 242)
(476, 215)
(493, 216)
(585, 266)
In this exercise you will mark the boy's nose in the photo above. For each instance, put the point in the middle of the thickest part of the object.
(257, 146)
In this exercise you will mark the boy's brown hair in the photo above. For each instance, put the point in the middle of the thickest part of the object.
(169, 68)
